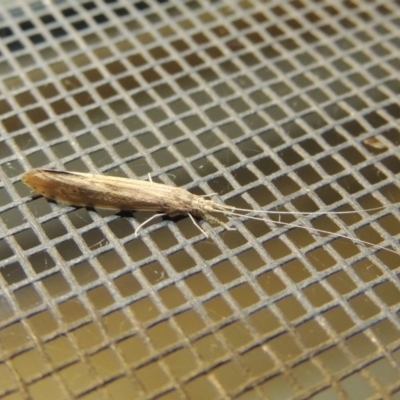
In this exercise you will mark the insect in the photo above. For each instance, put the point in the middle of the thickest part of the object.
(108, 192)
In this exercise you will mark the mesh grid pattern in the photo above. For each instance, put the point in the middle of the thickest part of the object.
(289, 107)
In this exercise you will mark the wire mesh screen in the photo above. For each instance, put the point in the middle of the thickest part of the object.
(278, 106)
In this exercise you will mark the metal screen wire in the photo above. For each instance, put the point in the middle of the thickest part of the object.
(280, 106)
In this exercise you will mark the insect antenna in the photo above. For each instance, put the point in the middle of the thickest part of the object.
(244, 213)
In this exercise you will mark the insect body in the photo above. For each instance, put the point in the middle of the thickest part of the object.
(107, 192)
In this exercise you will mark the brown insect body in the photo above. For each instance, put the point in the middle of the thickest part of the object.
(108, 192)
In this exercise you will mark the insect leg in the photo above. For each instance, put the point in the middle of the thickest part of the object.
(147, 221)
(198, 226)
(210, 219)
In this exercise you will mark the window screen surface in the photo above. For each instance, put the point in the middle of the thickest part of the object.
(266, 105)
